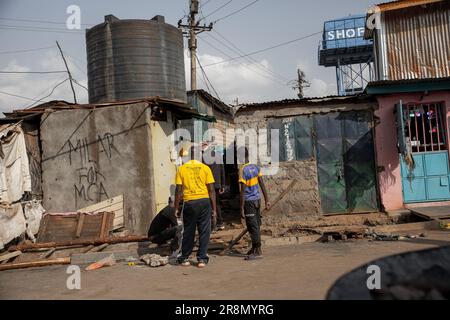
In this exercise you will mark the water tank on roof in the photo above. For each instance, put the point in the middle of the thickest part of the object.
(134, 59)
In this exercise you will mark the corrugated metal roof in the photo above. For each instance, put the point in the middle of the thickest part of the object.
(401, 4)
(311, 101)
(175, 106)
(417, 43)
(215, 103)
(408, 85)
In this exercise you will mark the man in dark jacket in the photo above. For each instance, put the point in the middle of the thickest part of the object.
(164, 227)
(218, 172)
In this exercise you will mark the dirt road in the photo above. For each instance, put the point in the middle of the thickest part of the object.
(291, 272)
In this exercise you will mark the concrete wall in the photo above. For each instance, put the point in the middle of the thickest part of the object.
(164, 168)
(386, 144)
(304, 200)
(91, 155)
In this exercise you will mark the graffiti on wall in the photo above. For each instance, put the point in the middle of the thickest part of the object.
(90, 182)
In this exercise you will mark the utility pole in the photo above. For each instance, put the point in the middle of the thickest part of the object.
(191, 30)
(300, 83)
(68, 72)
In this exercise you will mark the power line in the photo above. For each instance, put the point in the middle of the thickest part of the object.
(26, 50)
(239, 51)
(241, 63)
(76, 82)
(218, 9)
(204, 74)
(252, 64)
(265, 49)
(40, 29)
(32, 72)
(44, 91)
(51, 92)
(237, 11)
(41, 21)
(17, 96)
(204, 4)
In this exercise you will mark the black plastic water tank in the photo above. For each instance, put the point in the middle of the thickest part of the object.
(135, 59)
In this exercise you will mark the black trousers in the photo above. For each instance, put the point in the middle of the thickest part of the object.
(196, 215)
(218, 209)
(168, 234)
(252, 212)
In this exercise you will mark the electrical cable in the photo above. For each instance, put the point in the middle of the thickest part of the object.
(32, 72)
(206, 76)
(221, 7)
(237, 11)
(241, 63)
(51, 92)
(250, 59)
(265, 49)
(40, 21)
(26, 50)
(17, 96)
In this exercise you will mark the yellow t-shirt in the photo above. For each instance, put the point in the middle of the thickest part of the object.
(194, 176)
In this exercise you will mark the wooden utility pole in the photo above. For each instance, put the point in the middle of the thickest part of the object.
(68, 72)
(192, 29)
(300, 83)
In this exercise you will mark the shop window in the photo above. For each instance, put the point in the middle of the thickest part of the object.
(424, 127)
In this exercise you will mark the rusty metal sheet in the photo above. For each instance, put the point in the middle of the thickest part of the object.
(417, 42)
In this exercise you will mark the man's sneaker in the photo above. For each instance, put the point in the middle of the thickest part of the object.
(201, 264)
(220, 227)
(184, 263)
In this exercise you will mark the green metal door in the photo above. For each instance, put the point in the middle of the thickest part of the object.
(346, 162)
(330, 163)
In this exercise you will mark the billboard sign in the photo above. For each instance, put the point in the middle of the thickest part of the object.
(345, 33)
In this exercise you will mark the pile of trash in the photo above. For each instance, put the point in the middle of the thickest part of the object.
(373, 236)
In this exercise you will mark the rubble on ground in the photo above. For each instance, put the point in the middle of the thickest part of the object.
(154, 260)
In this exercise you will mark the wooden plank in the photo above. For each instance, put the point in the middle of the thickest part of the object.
(405, 227)
(96, 241)
(431, 213)
(80, 224)
(115, 205)
(41, 263)
(88, 248)
(10, 255)
(104, 205)
(103, 225)
(99, 248)
(47, 254)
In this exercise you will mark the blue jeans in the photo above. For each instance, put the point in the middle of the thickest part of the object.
(196, 214)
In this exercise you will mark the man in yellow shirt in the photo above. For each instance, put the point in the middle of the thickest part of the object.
(195, 184)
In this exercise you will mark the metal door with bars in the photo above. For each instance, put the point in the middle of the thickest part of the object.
(424, 156)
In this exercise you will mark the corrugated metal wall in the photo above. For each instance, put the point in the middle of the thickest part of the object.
(418, 42)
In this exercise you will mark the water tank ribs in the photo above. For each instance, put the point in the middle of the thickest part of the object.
(135, 59)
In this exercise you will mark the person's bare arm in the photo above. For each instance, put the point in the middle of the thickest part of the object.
(212, 197)
(264, 191)
(241, 201)
(178, 197)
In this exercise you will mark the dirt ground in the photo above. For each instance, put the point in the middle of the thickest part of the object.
(290, 272)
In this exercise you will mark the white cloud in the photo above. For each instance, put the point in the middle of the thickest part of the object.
(37, 86)
(319, 87)
(248, 81)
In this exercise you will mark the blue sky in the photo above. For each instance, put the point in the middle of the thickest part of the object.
(266, 23)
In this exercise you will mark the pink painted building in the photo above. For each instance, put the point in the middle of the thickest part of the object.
(388, 158)
(412, 87)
